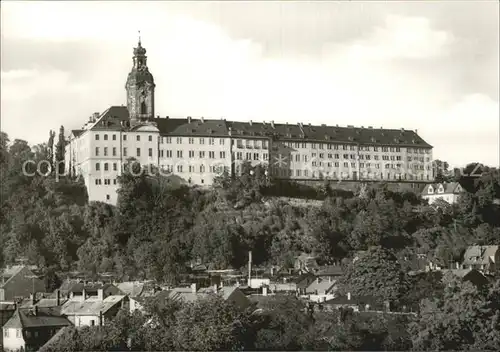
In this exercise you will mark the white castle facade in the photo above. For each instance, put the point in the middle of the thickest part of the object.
(199, 149)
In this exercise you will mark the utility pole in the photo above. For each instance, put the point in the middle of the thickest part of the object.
(249, 268)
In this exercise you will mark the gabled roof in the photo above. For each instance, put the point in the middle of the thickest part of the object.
(132, 289)
(115, 118)
(330, 270)
(320, 286)
(480, 255)
(192, 127)
(91, 306)
(27, 318)
(448, 188)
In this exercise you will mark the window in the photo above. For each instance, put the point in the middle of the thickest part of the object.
(97, 166)
(191, 140)
(138, 138)
(114, 137)
(248, 156)
(105, 137)
(124, 137)
(191, 168)
(105, 151)
(115, 167)
(202, 168)
(211, 141)
(202, 154)
(202, 140)
(211, 154)
(114, 181)
(179, 168)
(144, 108)
(255, 156)
(96, 151)
(96, 137)
(169, 140)
(222, 155)
(179, 140)
(221, 141)
(265, 156)
(114, 151)
(105, 166)
(125, 151)
(107, 181)
(179, 153)
(297, 172)
(98, 181)
(239, 155)
(169, 153)
(5, 332)
(92, 322)
(150, 152)
(150, 138)
(191, 153)
(138, 151)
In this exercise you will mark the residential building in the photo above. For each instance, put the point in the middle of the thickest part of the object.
(474, 276)
(361, 303)
(447, 191)
(18, 282)
(483, 258)
(30, 328)
(321, 290)
(197, 150)
(7, 310)
(82, 310)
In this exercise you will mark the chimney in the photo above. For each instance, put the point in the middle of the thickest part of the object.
(101, 318)
(84, 294)
(272, 124)
(416, 131)
(457, 266)
(189, 119)
(202, 119)
(193, 288)
(250, 123)
(272, 271)
(58, 298)
(35, 310)
(317, 280)
(348, 296)
(229, 130)
(33, 298)
(100, 294)
(264, 290)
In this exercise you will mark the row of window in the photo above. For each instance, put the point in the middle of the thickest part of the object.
(354, 157)
(113, 137)
(264, 144)
(367, 165)
(248, 156)
(125, 151)
(192, 168)
(106, 166)
(191, 153)
(107, 181)
(344, 175)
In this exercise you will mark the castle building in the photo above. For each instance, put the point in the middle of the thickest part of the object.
(197, 150)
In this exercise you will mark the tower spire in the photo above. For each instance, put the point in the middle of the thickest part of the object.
(139, 37)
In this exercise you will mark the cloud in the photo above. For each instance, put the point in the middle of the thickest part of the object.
(402, 38)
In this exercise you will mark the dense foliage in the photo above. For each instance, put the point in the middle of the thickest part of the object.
(157, 227)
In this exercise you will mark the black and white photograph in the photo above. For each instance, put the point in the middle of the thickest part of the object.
(249, 176)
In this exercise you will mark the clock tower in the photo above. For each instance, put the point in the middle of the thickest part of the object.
(140, 88)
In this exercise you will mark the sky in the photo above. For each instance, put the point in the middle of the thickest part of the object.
(426, 66)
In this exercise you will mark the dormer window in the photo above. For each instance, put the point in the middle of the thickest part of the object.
(441, 189)
(431, 190)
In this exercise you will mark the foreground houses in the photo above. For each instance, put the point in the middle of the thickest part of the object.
(199, 149)
(18, 282)
(94, 310)
(483, 258)
(447, 191)
(30, 328)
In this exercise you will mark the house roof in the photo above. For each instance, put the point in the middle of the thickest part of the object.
(115, 115)
(330, 270)
(448, 188)
(283, 287)
(304, 280)
(132, 289)
(44, 302)
(480, 255)
(8, 273)
(320, 286)
(53, 340)
(26, 318)
(91, 306)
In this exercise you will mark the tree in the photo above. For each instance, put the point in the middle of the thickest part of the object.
(60, 150)
(377, 273)
(464, 318)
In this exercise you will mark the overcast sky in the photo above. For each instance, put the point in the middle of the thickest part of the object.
(430, 66)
